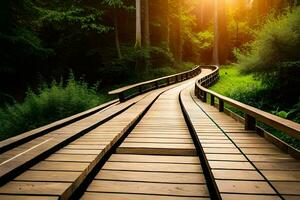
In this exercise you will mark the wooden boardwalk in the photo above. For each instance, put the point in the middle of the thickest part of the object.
(165, 144)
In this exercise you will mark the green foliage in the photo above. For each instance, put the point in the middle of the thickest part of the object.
(85, 19)
(160, 57)
(251, 91)
(274, 55)
(49, 103)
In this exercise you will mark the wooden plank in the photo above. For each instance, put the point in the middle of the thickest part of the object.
(282, 175)
(290, 197)
(116, 196)
(278, 166)
(71, 158)
(149, 188)
(222, 150)
(158, 140)
(261, 151)
(153, 167)
(249, 197)
(230, 165)
(31, 188)
(158, 151)
(226, 157)
(79, 152)
(247, 187)
(57, 166)
(88, 146)
(27, 197)
(237, 175)
(54, 176)
(154, 159)
(162, 177)
(206, 145)
(179, 136)
(288, 188)
(159, 146)
(272, 158)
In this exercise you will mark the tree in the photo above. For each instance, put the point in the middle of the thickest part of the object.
(116, 5)
(175, 8)
(220, 53)
(146, 24)
(138, 24)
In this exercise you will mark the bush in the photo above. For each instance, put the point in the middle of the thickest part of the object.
(274, 55)
(48, 104)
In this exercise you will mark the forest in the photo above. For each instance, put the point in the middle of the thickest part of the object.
(58, 58)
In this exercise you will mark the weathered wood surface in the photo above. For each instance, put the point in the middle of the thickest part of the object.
(252, 114)
(163, 167)
(158, 159)
(248, 166)
(167, 80)
(30, 135)
(63, 171)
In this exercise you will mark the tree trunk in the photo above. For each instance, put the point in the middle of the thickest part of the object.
(138, 30)
(220, 53)
(146, 34)
(216, 34)
(146, 24)
(117, 34)
(177, 33)
(168, 26)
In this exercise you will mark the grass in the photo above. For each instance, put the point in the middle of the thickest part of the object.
(251, 91)
(232, 81)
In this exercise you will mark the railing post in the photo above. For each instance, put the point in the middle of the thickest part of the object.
(212, 100)
(221, 105)
(140, 89)
(121, 97)
(204, 98)
(156, 84)
(250, 122)
(168, 81)
(176, 78)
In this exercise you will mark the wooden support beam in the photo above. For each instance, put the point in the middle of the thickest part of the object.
(250, 122)
(221, 105)
(140, 89)
(156, 84)
(212, 100)
(121, 97)
(204, 97)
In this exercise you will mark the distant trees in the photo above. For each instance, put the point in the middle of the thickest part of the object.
(103, 35)
(115, 6)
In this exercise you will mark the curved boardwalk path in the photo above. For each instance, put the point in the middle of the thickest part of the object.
(165, 144)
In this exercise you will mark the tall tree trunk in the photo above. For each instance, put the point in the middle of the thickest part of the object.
(177, 39)
(146, 33)
(146, 24)
(117, 40)
(222, 34)
(168, 25)
(216, 34)
(138, 29)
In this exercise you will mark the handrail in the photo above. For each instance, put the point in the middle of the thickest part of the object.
(32, 134)
(167, 79)
(251, 114)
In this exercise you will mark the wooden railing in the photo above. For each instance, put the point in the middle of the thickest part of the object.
(154, 84)
(252, 115)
